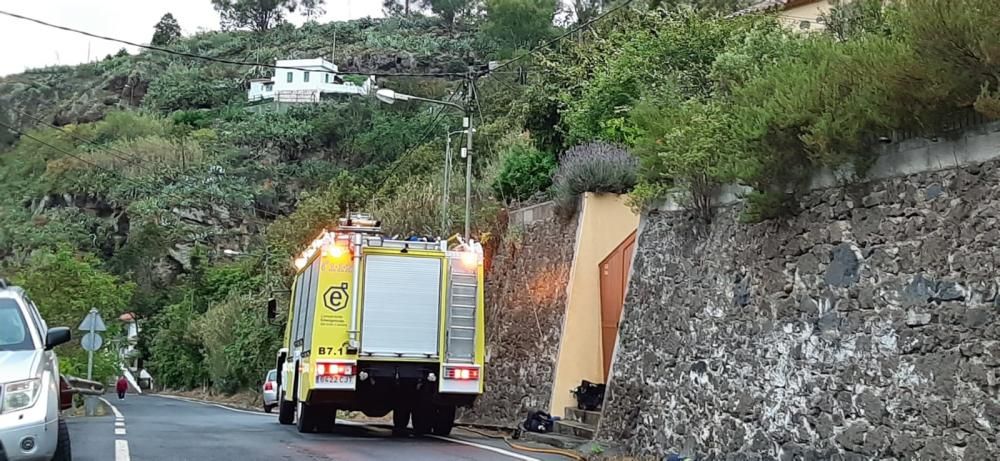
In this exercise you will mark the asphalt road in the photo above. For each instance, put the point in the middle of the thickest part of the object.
(154, 428)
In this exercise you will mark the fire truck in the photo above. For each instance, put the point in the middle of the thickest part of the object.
(378, 325)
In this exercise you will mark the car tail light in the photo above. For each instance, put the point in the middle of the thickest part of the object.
(461, 373)
(268, 386)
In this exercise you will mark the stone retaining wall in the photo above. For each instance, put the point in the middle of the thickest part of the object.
(866, 327)
(526, 306)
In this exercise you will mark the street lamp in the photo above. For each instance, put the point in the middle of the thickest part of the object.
(390, 96)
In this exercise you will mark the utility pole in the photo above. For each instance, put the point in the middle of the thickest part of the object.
(447, 182)
(467, 124)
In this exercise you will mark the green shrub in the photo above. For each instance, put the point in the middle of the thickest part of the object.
(181, 88)
(127, 126)
(284, 133)
(176, 358)
(596, 167)
(526, 171)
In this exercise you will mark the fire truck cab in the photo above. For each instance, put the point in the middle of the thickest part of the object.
(378, 325)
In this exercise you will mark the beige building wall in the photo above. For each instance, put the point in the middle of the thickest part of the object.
(798, 14)
(605, 222)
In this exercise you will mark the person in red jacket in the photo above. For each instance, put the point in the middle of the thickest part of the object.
(121, 387)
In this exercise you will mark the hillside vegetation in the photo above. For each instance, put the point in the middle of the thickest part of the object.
(156, 164)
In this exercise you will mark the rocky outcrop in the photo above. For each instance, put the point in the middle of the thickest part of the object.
(526, 305)
(864, 328)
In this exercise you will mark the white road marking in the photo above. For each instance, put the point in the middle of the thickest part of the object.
(121, 445)
(480, 446)
(496, 450)
(121, 450)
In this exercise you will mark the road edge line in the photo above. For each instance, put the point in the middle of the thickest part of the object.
(211, 404)
(118, 414)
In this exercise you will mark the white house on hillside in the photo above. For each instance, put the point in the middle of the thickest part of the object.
(304, 80)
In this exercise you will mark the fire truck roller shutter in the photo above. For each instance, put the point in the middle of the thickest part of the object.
(402, 306)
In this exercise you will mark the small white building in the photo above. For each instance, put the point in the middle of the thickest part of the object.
(304, 80)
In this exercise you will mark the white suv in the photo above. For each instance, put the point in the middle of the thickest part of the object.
(31, 427)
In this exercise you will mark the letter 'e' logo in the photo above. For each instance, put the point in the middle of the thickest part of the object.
(336, 297)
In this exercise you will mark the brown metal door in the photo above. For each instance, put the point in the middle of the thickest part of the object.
(614, 281)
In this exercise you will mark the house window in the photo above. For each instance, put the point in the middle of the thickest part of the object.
(305, 77)
(326, 78)
(290, 78)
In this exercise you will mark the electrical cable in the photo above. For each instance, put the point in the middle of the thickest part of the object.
(414, 147)
(221, 60)
(560, 37)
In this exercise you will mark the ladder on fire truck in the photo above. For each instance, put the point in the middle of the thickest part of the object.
(462, 299)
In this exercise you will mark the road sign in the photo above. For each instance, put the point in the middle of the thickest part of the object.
(91, 342)
(92, 322)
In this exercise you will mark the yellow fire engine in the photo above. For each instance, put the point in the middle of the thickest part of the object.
(378, 325)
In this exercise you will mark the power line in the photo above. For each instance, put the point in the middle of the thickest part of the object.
(221, 60)
(99, 167)
(50, 146)
(111, 150)
(561, 36)
(414, 147)
(482, 118)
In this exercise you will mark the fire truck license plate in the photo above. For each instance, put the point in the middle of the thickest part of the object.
(335, 379)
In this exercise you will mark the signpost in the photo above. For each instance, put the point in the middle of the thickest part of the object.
(91, 342)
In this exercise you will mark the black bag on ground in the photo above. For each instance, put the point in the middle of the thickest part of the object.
(538, 421)
(589, 396)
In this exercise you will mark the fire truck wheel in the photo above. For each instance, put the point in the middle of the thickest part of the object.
(423, 419)
(400, 420)
(305, 420)
(444, 420)
(286, 411)
(325, 419)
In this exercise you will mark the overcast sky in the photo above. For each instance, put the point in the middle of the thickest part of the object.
(29, 45)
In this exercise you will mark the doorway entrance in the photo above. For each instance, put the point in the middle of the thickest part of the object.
(614, 283)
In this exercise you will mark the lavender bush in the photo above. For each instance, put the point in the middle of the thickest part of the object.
(595, 167)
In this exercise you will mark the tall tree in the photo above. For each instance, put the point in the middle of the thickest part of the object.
(166, 31)
(261, 15)
(397, 7)
(585, 10)
(519, 23)
(447, 9)
(311, 8)
(850, 20)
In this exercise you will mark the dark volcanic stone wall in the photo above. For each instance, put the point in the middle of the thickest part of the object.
(864, 328)
(525, 304)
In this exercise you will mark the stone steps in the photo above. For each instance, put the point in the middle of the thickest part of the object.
(591, 418)
(575, 429)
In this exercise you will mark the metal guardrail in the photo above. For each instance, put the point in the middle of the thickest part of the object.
(85, 387)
